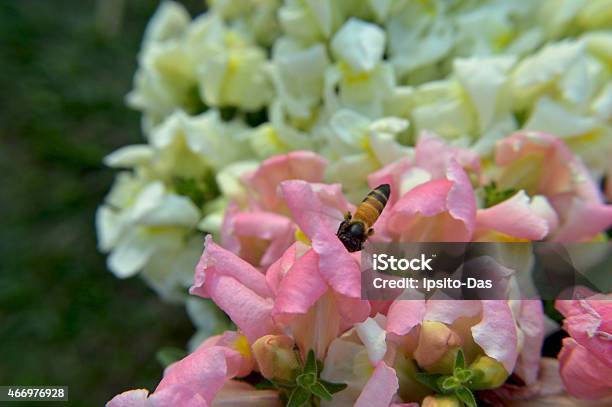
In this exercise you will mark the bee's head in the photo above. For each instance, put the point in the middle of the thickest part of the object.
(352, 235)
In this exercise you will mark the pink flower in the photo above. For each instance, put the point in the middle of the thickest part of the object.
(440, 210)
(261, 232)
(586, 357)
(203, 376)
(541, 164)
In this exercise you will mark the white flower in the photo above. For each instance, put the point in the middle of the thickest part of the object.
(359, 44)
(256, 16)
(359, 146)
(150, 220)
(165, 79)
(310, 20)
(564, 89)
(298, 75)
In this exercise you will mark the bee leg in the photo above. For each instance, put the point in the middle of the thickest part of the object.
(370, 231)
(348, 216)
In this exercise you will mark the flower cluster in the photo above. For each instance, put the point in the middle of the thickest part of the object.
(266, 121)
(306, 336)
(356, 82)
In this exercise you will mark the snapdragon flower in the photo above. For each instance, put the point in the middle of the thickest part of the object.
(349, 351)
(586, 357)
(150, 219)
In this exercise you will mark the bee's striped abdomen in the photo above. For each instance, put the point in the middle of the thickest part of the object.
(372, 205)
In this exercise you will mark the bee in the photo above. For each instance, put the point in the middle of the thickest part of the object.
(355, 230)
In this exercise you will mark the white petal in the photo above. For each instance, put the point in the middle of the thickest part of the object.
(108, 227)
(130, 255)
(170, 20)
(129, 156)
(552, 117)
(360, 44)
(483, 79)
(374, 338)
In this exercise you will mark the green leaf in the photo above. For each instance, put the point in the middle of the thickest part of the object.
(168, 355)
(320, 391)
(463, 375)
(299, 397)
(311, 363)
(450, 383)
(459, 360)
(430, 380)
(306, 380)
(333, 388)
(465, 395)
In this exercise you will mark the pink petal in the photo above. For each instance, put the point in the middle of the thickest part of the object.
(391, 174)
(583, 221)
(496, 333)
(241, 394)
(250, 312)
(449, 311)
(178, 395)
(258, 237)
(380, 389)
(352, 310)
(215, 259)
(301, 287)
(513, 217)
(277, 271)
(531, 323)
(131, 398)
(433, 154)
(461, 198)
(303, 165)
(336, 265)
(404, 315)
(314, 207)
(583, 374)
(438, 210)
(232, 340)
(203, 373)
(589, 322)
(562, 170)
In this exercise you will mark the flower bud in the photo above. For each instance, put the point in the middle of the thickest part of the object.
(410, 389)
(440, 401)
(437, 348)
(488, 373)
(276, 358)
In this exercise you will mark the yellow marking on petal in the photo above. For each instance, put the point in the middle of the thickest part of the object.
(232, 64)
(242, 346)
(353, 77)
(233, 40)
(305, 123)
(495, 236)
(503, 40)
(301, 237)
(362, 367)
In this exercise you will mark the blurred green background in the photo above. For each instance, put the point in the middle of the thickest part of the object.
(65, 67)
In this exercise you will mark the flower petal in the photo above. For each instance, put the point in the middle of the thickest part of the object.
(380, 389)
(301, 286)
(496, 333)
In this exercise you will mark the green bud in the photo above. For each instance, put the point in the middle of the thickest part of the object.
(488, 373)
